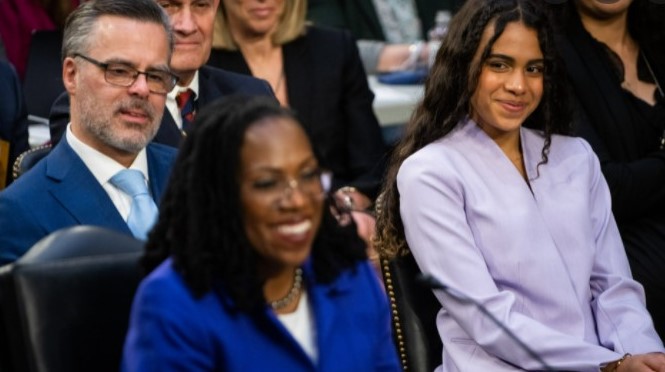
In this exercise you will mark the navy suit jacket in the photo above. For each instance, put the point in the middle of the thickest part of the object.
(327, 87)
(213, 83)
(172, 330)
(60, 191)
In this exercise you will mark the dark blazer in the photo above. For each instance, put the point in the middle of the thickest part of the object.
(360, 17)
(171, 330)
(213, 83)
(13, 114)
(60, 191)
(327, 87)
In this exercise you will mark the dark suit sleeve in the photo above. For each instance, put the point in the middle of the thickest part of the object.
(59, 117)
(13, 113)
(365, 146)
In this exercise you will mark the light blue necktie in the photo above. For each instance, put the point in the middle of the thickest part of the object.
(143, 212)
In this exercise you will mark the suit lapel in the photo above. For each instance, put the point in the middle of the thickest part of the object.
(208, 91)
(77, 190)
(159, 168)
(168, 133)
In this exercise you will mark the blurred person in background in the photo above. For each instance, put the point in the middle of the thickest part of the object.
(392, 35)
(318, 73)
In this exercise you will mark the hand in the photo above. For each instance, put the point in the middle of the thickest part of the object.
(366, 225)
(638, 363)
(350, 199)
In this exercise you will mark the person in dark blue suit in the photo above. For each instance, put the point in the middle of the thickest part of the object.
(13, 117)
(253, 271)
(118, 85)
(192, 22)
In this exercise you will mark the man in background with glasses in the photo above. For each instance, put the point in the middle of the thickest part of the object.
(198, 85)
(105, 171)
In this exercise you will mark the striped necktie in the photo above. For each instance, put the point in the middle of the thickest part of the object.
(186, 105)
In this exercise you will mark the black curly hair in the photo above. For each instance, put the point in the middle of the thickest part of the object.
(200, 224)
(450, 85)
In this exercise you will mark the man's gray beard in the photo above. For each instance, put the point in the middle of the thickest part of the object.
(102, 128)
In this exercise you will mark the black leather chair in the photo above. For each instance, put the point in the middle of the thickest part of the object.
(414, 308)
(28, 159)
(66, 303)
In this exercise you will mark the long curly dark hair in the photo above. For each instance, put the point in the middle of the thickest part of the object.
(450, 85)
(200, 224)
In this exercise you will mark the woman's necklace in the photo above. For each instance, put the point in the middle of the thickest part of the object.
(659, 88)
(653, 75)
(293, 292)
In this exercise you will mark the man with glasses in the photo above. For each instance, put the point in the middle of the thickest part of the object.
(105, 171)
(192, 22)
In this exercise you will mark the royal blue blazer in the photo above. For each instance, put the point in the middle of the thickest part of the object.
(171, 330)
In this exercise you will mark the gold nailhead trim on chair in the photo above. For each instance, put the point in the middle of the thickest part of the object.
(397, 326)
(15, 166)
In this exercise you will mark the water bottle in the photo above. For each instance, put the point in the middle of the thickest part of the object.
(437, 33)
(440, 28)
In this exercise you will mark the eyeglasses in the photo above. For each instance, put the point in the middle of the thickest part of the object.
(160, 82)
(313, 183)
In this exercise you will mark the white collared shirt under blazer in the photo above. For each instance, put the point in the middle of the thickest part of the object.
(547, 260)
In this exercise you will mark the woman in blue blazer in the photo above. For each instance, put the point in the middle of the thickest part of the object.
(255, 272)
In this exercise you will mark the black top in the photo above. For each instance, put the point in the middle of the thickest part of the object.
(624, 131)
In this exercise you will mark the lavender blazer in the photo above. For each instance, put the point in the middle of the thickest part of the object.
(546, 260)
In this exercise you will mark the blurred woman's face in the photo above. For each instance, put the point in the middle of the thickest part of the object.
(510, 85)
(253, 18)
(280, 190)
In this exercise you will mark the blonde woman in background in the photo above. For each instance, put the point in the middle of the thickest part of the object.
(318, 73)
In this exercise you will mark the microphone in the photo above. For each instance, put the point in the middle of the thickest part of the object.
(433, 283)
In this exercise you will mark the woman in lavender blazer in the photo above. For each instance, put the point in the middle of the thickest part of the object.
(516, 219)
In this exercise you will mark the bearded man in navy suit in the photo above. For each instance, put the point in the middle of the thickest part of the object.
(118, 83)
(192, 22)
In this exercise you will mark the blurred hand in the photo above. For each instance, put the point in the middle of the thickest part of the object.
(366, 225)
(640, 363)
